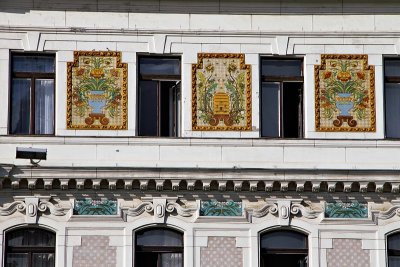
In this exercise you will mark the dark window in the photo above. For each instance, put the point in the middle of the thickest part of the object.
(32, 94)
(281, 100)
(29, 248)
(393, 250)
(159, 96)
(159, 248)
(284, 248)
(392, 98)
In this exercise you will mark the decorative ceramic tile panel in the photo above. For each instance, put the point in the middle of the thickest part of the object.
(221, 93)
(97, 91)
(95, 207)
(344, 94)
(95, 251)
(346, 210)
(216, 208)
(221, 252)
(347, 252)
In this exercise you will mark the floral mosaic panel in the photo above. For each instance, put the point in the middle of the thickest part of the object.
(97, 91)
(216, 208)
(95, 207)
(346, 210)
(345, 94)
(221, 93)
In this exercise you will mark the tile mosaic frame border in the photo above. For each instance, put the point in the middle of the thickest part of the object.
(124, 91)
(243, 66)
(367, 67)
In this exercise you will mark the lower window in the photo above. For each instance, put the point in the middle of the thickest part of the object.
(30, 247)
(284, 248)
(393, 250)
(158, 248)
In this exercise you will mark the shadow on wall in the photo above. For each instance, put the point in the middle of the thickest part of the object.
(207, 6)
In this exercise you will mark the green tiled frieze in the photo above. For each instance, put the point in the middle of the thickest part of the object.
(346, 210)
(95, 207)
(216, 208)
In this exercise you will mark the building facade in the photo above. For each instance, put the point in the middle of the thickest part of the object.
(199, 133)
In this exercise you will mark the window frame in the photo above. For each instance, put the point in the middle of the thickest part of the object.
(282, 80)
(160, 79)
(32, 76)
(30, 250)
(388, 79)
(284, 251)
(158, 249)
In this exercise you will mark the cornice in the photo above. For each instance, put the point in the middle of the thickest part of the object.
(197, 179)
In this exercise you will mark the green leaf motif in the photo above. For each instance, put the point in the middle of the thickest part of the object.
(216, 208)
(95, 207)
(354, 210)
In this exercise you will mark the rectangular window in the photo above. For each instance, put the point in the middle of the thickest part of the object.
(392, 97)
(281, 99)
(32, 94)
(159, 98)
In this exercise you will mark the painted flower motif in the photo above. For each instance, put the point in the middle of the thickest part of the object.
(327, 74)
(361, 75)
(114, 72)
(344, 76)
(80, 72)
(97, 73)
(232, 67)
(210, 67)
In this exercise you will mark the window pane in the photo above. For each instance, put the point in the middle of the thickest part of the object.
(392, 110)
(43, 259)
(270, 105)
(20, 106)
(159, 237)
(292, 110)
(281, 67)
(171, 260)
(17, 260)
(392, 67)
(148, 108)
(394, 242)
(37, 63)
(160, 66)
(394, 261)
(44, 106)
(284, 240)
(30, 238)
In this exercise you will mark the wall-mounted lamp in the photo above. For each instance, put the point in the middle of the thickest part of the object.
(35, 155)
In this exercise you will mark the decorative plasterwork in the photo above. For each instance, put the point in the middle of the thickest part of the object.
(391, 212)
(32, 206)
(159, 206)
(221, 93)
(284, 209)
(97, 91)
(344, 94)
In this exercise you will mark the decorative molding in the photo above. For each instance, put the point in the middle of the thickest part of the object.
(159, 206)
(284, 209)
(391, 212)
(344, 94)
(218, 81)
(97, 94)
(31, 206)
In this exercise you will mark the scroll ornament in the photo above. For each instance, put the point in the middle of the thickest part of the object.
(284, 209)
(31, 206)
(160, 206)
